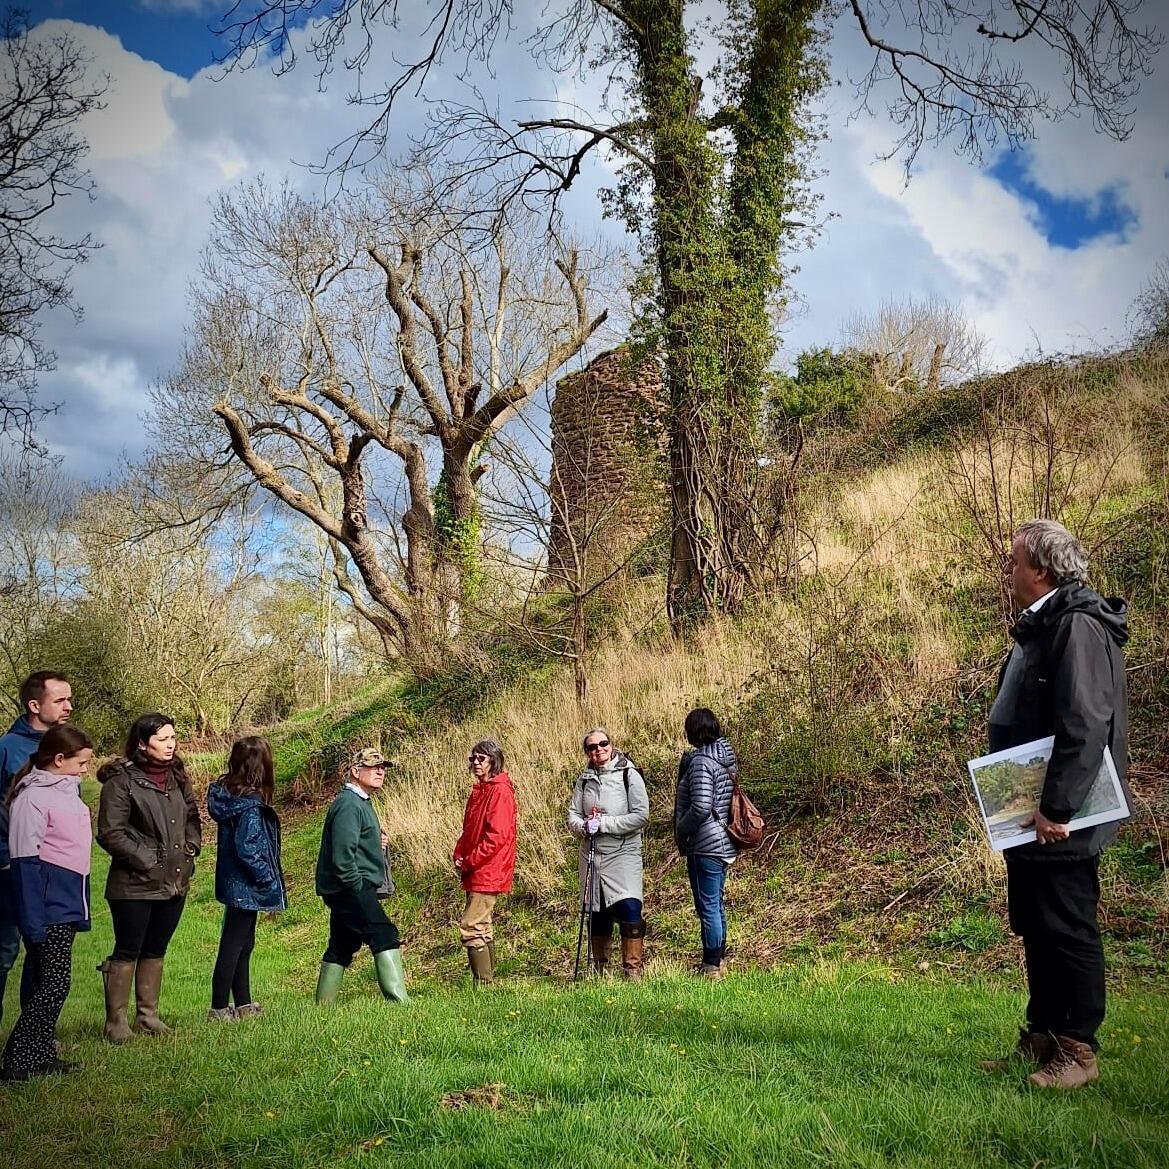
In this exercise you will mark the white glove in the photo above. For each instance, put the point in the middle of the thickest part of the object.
(593, 825)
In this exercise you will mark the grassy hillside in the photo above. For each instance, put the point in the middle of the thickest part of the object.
(854, 693)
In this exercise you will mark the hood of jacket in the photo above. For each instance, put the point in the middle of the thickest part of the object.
(38, 778)
(1110, 612)
(23, 729)
(222, 805)
(724, 753)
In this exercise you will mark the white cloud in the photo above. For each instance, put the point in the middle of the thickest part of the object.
(165, 146)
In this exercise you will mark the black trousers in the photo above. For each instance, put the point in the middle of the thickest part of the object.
(143, 929)
(1052, 907)
(232, 973)
(357, 919)
(30, 1046)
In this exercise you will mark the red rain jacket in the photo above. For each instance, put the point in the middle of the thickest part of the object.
(485, 854)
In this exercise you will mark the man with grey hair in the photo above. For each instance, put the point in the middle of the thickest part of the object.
(1064, 677)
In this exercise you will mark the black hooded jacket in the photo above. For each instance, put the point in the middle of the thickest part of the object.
(1073, 687)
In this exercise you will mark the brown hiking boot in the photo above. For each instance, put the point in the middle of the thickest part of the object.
(1035, 1047)
(1072, 1066)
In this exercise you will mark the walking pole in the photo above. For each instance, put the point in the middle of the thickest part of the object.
(586, 910)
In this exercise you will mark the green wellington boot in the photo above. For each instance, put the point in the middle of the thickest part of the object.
(328, 984)
(390, 975)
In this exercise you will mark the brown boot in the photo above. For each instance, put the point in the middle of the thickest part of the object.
(147, 987)
(482, 967)
(601, 944)
(1072, 1066)
(632, 950)
(117, 977)
(1035, 1047)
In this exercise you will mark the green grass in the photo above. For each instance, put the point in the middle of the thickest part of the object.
(818, 1064)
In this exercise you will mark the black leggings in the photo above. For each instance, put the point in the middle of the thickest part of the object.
(143, 929)
(232, 975)
(30, 1046)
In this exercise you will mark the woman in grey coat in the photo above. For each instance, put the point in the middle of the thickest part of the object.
(608, 810)
(701, 807)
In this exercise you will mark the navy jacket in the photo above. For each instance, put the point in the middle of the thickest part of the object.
(702, 802)
(16, 749)
(247, 856)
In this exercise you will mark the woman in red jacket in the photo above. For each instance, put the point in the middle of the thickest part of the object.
(485, 854)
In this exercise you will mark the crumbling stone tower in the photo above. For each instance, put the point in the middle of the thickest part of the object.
(606, 489)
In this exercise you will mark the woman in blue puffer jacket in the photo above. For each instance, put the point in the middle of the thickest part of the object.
(248, 878)
(701, 807)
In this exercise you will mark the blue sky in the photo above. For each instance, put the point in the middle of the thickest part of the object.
(1044, 249)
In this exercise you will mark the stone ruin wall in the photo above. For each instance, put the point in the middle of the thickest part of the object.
(607, 434)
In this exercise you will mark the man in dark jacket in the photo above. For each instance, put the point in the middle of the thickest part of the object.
(1065, 678)
(46, 699)
(350, 869)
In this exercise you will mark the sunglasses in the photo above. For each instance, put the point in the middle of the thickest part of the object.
(590, 747)
(478, 758)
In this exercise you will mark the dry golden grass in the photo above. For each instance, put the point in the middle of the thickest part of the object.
(640, 694)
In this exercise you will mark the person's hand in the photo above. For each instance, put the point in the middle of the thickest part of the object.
(593, 824)
(385, 841)
(1046, 831)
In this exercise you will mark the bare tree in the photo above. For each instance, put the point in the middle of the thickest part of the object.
(1148, 317)
(917, 343)
(326, 333)
(716, 163)
(45, 91)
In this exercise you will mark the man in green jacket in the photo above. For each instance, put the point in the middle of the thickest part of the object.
(350, 869)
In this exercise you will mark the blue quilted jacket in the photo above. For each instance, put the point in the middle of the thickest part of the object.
(703, 801)
(247, 855)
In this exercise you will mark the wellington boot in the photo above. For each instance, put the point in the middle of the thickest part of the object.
(491, 954)
(1035, 1047)
(482, 967)
(1071, 1066)
(147, 988)
(118, 977)
(328, 984)
(390, 975)
(601, 945)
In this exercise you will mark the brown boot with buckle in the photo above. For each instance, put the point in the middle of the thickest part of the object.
(1071, 1066)
(1035, 1047)
(632, 950)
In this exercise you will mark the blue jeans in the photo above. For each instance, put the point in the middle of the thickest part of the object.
(708, 875)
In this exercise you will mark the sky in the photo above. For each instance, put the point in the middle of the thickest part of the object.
(1044, 249)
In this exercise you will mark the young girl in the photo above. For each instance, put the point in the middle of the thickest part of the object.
(248, 879)
(50, 837)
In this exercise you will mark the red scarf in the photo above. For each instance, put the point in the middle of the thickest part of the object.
(157, 773)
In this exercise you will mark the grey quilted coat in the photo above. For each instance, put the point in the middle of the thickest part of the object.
(624, 813)
(703, 801)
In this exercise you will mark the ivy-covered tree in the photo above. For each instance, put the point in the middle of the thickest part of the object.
(716, 163)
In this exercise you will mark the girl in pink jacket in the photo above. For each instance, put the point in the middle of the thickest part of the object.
(50, 838)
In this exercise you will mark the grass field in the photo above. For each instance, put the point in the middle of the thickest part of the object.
(820, 1064)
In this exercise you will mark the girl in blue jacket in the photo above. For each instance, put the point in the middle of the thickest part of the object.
(248, 878)
(50, 838)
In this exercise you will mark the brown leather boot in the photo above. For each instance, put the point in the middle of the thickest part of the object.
(482, 967)
(632, 950)
(117, 977)
(1035, 1047)
(1071, 1066)
(601, 944)
(147, 987)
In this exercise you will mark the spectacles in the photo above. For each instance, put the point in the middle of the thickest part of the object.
(591, 747)
(478, 758)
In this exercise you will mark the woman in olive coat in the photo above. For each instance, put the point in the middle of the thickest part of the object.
(148, 821)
